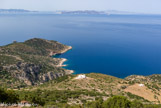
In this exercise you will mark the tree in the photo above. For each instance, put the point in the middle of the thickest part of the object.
(3, 95)
(117, 102)
(8, 96)
(12, 97)
(136, 104)
(95, 104)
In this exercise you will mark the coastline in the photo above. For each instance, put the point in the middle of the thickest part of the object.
(62, 60)
(65, 50)
(60, 52)
(61, 64)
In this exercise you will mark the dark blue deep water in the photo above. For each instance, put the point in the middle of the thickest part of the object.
(118, 45)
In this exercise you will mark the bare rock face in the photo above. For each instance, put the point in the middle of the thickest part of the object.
(33, 74)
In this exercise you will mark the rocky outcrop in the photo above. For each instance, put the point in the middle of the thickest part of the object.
(32, 74)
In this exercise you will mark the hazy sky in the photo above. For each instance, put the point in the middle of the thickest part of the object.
(142, 6)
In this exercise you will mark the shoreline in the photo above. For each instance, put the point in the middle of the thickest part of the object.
(65, 50)
(61, 52)
(61, 64)
(62, 60)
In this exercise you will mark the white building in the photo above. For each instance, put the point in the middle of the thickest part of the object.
(141, 85)
(82, 76)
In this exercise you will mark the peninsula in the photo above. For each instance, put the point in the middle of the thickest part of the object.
(30, 62)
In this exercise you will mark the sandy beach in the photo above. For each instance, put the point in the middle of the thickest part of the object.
(61, 62)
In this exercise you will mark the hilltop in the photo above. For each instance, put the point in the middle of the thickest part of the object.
(29, 62)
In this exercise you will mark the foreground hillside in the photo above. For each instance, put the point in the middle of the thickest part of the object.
(93, 91)
(146, 89)
(29, 62)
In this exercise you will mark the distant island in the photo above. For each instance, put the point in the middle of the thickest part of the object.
(89, 12)
(108, 12)
(7, 11)
(84, 12)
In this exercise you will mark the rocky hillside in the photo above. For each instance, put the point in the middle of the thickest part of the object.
(146, 89)
(29, 62)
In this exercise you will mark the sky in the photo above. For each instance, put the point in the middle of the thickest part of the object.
(139, 6)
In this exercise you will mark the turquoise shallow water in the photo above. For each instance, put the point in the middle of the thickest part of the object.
(118, 45)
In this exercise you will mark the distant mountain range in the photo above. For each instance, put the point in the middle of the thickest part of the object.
(22, 11)
(95, 12)
(82, 12)
(15, 11)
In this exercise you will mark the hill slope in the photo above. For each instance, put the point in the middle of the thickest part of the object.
(105, 86)
(29, 62)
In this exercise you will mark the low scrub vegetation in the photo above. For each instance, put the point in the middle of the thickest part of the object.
(58, 98)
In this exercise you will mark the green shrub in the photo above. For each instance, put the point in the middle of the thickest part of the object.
(117, 102)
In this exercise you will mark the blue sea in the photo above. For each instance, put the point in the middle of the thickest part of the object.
(117, 45)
